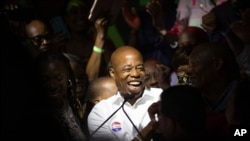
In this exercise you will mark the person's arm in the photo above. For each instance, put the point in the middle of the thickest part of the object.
(132, 18)
(233, 41)
(238, 39)
(183, 12)
(152, 127)
(155, 9)
(146, 132)
(94, 62)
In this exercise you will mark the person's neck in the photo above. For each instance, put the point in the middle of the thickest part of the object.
(215, 90)
(133, 100)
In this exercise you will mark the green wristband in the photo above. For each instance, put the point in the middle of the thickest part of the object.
(98, 50)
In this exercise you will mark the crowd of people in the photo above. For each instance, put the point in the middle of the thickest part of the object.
(183, 74)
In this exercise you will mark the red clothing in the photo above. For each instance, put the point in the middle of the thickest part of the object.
(216, 125)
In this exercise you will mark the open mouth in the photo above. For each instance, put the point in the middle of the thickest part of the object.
(135, 86)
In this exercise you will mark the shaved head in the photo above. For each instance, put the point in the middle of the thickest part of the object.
(210, 61)
(101, 88)
(121, 51)
(35, 27)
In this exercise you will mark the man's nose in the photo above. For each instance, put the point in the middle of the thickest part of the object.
(44, 41)
(134, 72)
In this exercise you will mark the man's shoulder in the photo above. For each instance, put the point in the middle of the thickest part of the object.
(155, 92)
(105, 106)
(108, 101)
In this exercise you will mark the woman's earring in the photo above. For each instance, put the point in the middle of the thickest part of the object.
(69, 83)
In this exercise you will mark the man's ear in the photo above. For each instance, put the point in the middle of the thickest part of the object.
(97, 101)
(111, 72)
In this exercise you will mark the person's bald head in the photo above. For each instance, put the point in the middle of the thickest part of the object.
(151, 62)
(210, 62)
(124, 52)
(209, 50)
(101, 88)
(35, 27)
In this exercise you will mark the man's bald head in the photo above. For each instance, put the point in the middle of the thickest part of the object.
(211, 61)
(123, 51)
(35, 27)
(210, 50)
(101, 88)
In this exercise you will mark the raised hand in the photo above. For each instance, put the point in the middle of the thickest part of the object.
(101, 26)
(11, 12)
(153, 111)
(154, 8)
(131, 17)
(163, 75)
(209, 22)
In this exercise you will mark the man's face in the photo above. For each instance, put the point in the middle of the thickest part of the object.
(150, 74)
(80, 78)
(38, 34)
(128, 71)
(201, 70)
(54, 77)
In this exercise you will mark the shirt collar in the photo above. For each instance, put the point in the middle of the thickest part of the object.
(221, 103)
(147, 95)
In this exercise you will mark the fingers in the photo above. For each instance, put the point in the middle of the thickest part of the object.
(101, 26)
(11, 6)
(209, 22)
(153, 111)
(153, 8)
(131, 17)
(101, 22)
(127, 14)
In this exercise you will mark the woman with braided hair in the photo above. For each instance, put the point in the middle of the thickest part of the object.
(57, 99)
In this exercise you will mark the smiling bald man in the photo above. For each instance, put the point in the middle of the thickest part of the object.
(127, 70)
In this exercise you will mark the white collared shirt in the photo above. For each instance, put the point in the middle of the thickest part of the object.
(119, 128)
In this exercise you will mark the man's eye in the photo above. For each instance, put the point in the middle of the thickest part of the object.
(36, 39)
(126, 69)
(140, 68)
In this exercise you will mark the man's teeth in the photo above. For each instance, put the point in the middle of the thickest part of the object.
(134, 83)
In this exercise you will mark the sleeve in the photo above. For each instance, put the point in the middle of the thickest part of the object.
(182, 10)
(243, 60)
